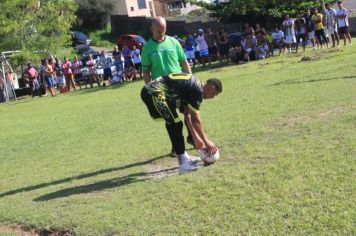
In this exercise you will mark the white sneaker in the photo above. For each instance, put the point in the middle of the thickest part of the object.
(194, 159)
(185, 164)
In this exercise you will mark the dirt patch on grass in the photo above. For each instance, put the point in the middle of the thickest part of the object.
(315, 57)
(159, 171)
(22, 230)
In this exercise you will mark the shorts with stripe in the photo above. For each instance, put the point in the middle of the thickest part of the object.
(159, 107)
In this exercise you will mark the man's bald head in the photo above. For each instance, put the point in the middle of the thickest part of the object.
(158, 28)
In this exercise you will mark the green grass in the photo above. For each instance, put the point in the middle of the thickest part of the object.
(85, 162)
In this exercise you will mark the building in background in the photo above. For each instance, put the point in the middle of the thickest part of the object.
(133, 8)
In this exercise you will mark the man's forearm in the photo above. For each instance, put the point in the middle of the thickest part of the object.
(186, 67)
(146, 76)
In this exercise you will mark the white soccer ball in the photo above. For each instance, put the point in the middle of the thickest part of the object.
(207, 158)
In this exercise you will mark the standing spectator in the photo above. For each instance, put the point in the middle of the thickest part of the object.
(196, 50)
(116, 54)
(106, 62)
(163, 55)
(331, 24)
(301, 31)
(60, 80)
(136, 56)
(42, 76)
(181, 41)
(49, 77)
(311, 28)
(126, 53)
(342, 16)
(53, 65)
(31, 74)
(289, 33)
(278, 40)
(68, 73)
(317, 18)
(203, 47)
(77, 70)
(212, 45)
(189, 49)
(91, 63)
(223, 44)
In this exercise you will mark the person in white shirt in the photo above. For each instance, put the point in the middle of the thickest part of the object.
(342, 16)
(331, 24)
(288, 28)
(137, 59)
(278, 39)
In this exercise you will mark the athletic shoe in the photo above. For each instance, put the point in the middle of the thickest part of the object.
(194, 159)
(185, 164)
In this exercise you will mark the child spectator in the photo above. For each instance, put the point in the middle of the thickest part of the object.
(130, 73)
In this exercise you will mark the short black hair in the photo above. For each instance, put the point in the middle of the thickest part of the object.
(216, 83)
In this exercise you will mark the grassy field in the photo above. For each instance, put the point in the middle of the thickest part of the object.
(93, 163)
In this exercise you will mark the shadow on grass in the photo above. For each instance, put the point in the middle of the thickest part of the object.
(99, 186)
(82, 176)
(286, 82)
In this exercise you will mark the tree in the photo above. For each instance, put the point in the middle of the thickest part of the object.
(273, 8)
(96, 14)
(35, 26)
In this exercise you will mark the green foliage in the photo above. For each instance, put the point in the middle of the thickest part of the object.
(95, 14)
(36, 26)
(274, 8)
(89, 161)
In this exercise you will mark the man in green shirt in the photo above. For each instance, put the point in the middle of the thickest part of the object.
(163, 55)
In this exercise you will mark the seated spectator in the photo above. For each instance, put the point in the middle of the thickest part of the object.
(117, 77)
(262, 49)
(249, 45)
(31, 74)
(260, 31)
(130, 73)
(248, 29)
(278, 40)
(237, 54)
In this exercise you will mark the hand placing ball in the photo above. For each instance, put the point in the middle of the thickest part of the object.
(208, 158)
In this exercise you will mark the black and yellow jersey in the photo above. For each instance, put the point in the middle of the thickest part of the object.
(181, 89)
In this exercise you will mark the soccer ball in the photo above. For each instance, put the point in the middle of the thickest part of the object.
(207, 158)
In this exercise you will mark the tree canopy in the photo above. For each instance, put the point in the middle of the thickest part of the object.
(95, 14)
(275, 8)
(36, 26)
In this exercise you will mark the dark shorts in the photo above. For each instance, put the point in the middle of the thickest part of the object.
(319, 33)
(137, 66)
(107, 72)
(344, 30)
(158, 107)
(213, 50)
(302, 37)
(50, 82)
(128, 64)
(224, 49)
(77, 76)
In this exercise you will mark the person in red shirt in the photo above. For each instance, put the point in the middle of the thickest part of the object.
(31, 73)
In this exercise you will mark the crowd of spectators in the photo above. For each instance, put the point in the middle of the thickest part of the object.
(311, 28)
(201, 48)
(57, 76)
